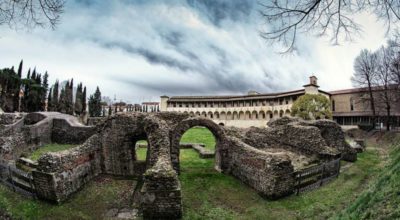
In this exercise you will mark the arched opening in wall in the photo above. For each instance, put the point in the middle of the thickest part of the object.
(281, 112)
(221, 124)
(262, 115)
(222, 116)
(247, 115)
(287, 112)
(198, 173)
(229, 116)
(204, 114)
(197, 113)
(241, 115)
(235, 116)
(254, 115)
(276, 113)
(191, 114)
(141, 147)
(270, 115)
(210, 115)
(216, 115)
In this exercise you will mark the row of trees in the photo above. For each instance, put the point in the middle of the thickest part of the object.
(34, 89)
(32, 94)
(378, 73)
(62, 100)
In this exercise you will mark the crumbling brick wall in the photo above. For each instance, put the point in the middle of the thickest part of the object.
(58, 175)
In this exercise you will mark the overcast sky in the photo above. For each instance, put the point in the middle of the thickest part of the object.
(139, 50)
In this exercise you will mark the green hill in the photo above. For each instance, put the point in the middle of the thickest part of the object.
(381, 200)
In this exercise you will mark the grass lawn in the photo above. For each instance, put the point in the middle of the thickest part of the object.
(208, 194)
(95, 199)
(49, 148)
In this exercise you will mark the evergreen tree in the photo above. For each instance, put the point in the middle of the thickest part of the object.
(78, 100)
(109, 110)
(95, 104)
(55, 97)
(62, 101)
(84, 104)
(69, 105)
(17, 88)
(45, 87)
(49, 101)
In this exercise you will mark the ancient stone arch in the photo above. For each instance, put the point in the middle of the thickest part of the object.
(108, 148)
(185, 125)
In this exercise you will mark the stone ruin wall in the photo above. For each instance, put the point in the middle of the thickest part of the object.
(59, 175)
(239, 152)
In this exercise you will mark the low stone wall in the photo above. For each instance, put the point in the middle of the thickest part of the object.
(64, 133)
(58, 175)
(93, 121)
(271, 175)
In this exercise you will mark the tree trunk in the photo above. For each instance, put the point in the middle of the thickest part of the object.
(388, 117)
(371, 96)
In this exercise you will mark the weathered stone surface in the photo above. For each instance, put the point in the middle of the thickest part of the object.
(260, 157)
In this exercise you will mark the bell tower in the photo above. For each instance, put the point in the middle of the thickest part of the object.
(312, 86)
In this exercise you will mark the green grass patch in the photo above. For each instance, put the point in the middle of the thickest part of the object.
(92, 202)
(199, 135)
(382, 197)
(208, 194)
(50, 148)
(141, 154)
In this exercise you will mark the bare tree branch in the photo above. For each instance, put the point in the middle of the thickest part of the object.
(287, 18)
(30, 13)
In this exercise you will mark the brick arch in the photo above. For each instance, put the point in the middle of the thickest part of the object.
(185, 125)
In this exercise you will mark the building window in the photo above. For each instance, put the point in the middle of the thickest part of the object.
(287, 102)
(280, 101)
(351, 104)
(174, 105)
(180, 105)
(205, 104)
(192, 105)
(224, 105)
(271, 115)
(333, 105)
(212, 105)
(187, 105)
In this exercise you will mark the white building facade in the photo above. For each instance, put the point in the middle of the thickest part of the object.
(254, 109)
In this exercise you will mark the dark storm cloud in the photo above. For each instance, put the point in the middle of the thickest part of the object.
(170, 47)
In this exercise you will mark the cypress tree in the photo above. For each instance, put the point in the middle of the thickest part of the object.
(45, 87)
(17, 88)
(84, 104)
(61, 103)
(78, 100)
(95, 104)
(55, 97)
(50, 102)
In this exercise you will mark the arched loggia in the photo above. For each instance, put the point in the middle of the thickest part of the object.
(185, 125)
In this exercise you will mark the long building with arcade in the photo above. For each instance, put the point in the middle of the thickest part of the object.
(255, 109)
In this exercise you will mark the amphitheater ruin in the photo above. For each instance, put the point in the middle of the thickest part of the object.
(284, 158)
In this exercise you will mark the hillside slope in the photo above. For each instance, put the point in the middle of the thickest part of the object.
(381, 200)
